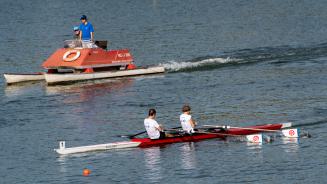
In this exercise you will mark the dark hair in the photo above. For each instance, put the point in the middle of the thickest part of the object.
(152, 112)
(83, 17)
(186, 108)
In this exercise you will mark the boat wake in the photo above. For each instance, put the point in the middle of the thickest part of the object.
(196, 64)
(269, 55)
(310, 124)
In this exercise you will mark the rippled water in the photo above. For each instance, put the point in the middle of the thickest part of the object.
(235, 62)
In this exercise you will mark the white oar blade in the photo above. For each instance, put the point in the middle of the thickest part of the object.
(254, 138)
(291, 133)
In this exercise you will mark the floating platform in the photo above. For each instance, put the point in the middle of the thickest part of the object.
(12, 78)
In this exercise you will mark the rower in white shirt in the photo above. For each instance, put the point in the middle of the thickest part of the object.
(154, 130)
(188, 124)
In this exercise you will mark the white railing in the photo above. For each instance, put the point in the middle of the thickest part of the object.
(79, 44)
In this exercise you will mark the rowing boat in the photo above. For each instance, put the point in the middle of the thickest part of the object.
(147, 142)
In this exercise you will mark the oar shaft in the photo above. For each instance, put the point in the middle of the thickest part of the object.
(138, 134)
(216, 133)
(134, 135)
(131, 136)
(202, 132)
(244, 128)
(291, 133)
(170, 129)
(256, 129)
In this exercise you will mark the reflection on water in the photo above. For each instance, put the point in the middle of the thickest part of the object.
(257, 147)
(62, 164)
(254, 145)
(255, 150)
(87, 91)
(153, 164)
(21, 88)
(188, 155)
(290, 145)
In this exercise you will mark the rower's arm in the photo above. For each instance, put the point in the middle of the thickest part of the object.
(160, 128)
(80, 35)
(92, 36)
(193, 123)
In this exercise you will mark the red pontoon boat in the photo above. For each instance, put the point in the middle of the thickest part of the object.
(80, 60)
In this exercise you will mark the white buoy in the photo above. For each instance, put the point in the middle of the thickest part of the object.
(62, 145)
(291, 133)
(254, 138)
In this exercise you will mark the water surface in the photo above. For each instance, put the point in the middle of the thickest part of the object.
(235, 62)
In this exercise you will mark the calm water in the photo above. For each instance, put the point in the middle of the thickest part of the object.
(235, 62)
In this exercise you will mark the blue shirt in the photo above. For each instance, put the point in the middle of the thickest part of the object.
(86, 31)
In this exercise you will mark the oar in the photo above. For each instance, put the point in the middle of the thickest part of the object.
(252, 138)
(244, 128)
(131, 136)
(292, 133)
(202, 132)
(217, 133)
(134, 135)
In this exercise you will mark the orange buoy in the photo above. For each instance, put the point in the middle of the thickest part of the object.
(86, 172)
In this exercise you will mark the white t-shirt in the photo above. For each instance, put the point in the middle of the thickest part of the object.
(186, 124)
(151, 126)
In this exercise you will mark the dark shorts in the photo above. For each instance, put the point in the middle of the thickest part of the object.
(162, 135)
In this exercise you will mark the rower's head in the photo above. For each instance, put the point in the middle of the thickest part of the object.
(83, 18)
(152, 113)
(186, 109)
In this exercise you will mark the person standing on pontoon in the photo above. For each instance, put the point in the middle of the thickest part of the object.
(154, 130)
(188, 124)
(86, 33)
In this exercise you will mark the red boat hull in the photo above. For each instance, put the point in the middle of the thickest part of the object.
(146, 142)
(88, 58)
